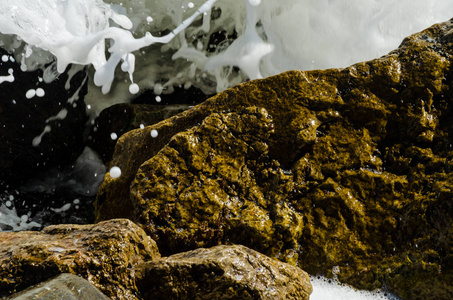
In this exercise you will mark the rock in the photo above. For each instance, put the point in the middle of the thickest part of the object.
(65, 286)
(223, 272)
(220, 176)
(42, 123)
(104, 254)
(343, 168)
(121, 118)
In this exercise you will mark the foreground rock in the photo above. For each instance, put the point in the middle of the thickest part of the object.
(42, 120)
(65, 286)
(223, 272)
(119, 261)
(104, 254)
(347, 168)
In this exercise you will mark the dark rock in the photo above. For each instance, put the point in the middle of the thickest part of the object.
(63, 195)
(179, 95)
(121, 118)
(104, 254)
(65, 286)
(354, 170)
(27, 121)
(223, 272)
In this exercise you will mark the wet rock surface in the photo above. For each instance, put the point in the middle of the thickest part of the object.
(65, 286)
(41, 122)
(342, 168)
(116, 260)
(104, 254)
(223, 272)
(208, 185)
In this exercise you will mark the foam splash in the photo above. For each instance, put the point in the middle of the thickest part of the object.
(211, 45)
(8, 78)
(81, 40)
(325, 289)
(9, 220)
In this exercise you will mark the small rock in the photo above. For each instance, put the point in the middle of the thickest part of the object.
(223, 272)
(65, 286)
(103, 253)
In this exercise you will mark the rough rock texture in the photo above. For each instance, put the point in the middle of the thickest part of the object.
(121, 118)
(353, 171)
(58, 117)
(104, 254)
(65, 286)
(208, 185)
(223, 272)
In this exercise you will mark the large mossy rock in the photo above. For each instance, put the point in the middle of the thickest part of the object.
(347, 168)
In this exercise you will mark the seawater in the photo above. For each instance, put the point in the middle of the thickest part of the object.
(260, 38)
(328, 289)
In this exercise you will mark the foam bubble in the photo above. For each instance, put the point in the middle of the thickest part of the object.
(30, 93)
(154, 133)
(113, 136)
(134, 88)
(40, 92)
(23, 218)
(158, 99)
(158, 88)
(115, 172)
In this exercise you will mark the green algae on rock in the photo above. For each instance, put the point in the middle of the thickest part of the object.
(347, 168)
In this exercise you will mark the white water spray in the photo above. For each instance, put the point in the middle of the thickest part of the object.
(163, 44)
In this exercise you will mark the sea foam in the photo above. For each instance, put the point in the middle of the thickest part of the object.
(208, 44)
